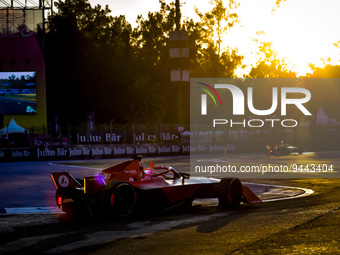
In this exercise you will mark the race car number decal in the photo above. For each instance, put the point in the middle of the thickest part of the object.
(63, 181)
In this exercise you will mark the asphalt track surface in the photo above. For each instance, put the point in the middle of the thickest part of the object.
(304, 225)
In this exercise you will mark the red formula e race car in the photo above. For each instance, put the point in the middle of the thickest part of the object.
(125, 188)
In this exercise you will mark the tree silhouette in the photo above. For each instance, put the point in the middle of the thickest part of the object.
(213, 59)
(93, 59)
(150, 38)
(143, 101)
(89, 59)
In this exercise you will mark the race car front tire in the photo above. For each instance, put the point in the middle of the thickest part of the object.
(230, 193)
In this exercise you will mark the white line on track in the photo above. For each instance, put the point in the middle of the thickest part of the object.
(32, 210)
(86, 167)
(307, 192)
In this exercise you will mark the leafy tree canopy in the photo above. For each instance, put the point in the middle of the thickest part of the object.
(269, 65)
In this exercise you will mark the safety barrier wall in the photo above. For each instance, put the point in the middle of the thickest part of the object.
(91, 152)
(107, 151)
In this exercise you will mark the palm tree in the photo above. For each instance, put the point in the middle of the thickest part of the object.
(144, 101)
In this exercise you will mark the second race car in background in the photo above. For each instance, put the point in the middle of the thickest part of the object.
(283, 149)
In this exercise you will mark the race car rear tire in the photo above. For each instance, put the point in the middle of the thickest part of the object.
(119, 198)
(230, 192)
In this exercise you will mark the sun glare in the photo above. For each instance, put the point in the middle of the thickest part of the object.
(301, 31)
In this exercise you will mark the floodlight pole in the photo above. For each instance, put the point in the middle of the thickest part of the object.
(111, 130)
(178, 16)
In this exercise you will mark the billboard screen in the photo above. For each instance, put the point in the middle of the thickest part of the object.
(18, 93)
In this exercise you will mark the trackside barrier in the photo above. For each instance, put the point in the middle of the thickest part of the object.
(104, 151)
(90, 152)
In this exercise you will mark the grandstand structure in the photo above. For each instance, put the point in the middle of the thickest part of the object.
(15, 14)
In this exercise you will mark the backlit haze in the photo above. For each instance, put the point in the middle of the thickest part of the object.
(301, 31)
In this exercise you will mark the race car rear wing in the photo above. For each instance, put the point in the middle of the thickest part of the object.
(65, 179)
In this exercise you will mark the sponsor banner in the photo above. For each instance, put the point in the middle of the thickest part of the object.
(93, 137)
(79, 152)
(76, 152)
(146, 149)
(17, 154)
(211, 148)
(51, 153)
(119, 137)
(21, 154)
(4, 154)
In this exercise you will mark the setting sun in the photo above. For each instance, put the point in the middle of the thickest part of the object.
(301, 32)
(304, 32)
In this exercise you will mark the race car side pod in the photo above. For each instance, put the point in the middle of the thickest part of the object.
(250, 196)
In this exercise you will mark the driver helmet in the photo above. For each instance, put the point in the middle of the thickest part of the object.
(149, 172)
